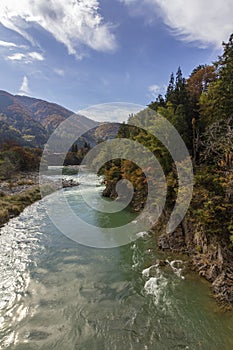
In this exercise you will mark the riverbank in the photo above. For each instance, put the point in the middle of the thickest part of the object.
(209, 256)
(209, 253)
(23, 190)
(16, 194)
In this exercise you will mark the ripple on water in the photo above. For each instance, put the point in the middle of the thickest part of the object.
(19, 240)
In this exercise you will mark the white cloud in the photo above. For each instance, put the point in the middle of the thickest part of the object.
(7, 44)
(16, 56)
(205, 22)
(115, 112)
(73, 23)
(36, 56)
(24, 88)
(11, 46)
(154, 89)
(59, 72)
(28, 57)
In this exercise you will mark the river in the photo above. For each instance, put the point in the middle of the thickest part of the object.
(58, 294)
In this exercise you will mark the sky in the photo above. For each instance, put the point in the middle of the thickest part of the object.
(80, 53)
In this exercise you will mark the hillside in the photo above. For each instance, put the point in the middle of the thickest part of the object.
(27, 121)
(50, 115)
(20, 119)
(30, 121)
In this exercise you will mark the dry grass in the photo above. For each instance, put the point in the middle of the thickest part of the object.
(23, 182)
(13, 205)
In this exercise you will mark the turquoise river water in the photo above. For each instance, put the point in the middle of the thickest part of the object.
(58, 294)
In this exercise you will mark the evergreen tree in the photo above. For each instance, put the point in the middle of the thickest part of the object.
(224, 98)
(159, 102)
(180, 92)
(170, 89)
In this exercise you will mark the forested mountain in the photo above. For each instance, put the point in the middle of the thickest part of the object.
(35, 119)
(20, 119)
(10, 134)
(42, 109)
(30, 121)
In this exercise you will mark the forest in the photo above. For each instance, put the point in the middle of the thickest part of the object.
(201, 109)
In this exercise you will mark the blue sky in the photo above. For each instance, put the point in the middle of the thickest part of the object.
(80, 53)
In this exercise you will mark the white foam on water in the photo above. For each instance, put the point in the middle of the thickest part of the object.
(89, 179)
(146, 272)
(142, 234)
(156, 286)
(177, 267)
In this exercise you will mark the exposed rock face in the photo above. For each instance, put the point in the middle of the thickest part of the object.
(173, 241)
(138, 201)
(223, 287)
(110, 190)
(214, 261)
(210, 257)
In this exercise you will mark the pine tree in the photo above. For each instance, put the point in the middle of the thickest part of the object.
(170, 89)
(180, 92)
(225, 88)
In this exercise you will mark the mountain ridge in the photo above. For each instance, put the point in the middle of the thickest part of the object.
(33, 120)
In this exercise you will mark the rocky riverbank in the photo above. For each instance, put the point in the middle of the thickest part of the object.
(209, 256)
(209, 253)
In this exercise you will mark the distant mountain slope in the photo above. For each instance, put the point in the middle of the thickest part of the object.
(35, 119)
(50, 115)
(31, 121)
(21, 119)
(102, 132)
(10, 134)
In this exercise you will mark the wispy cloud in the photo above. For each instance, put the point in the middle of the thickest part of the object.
(16, 56)
(11, 46)
(154, 89)
(36, 56)
(73, 23)
(7, 44)
(24, 88)
(116, 112)
(28, 57)
(59, 72)
(204, 22)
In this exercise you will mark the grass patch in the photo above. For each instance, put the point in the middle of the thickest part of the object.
(13, 205)
(22, 182)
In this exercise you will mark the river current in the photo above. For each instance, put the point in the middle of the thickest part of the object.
(58, 294)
